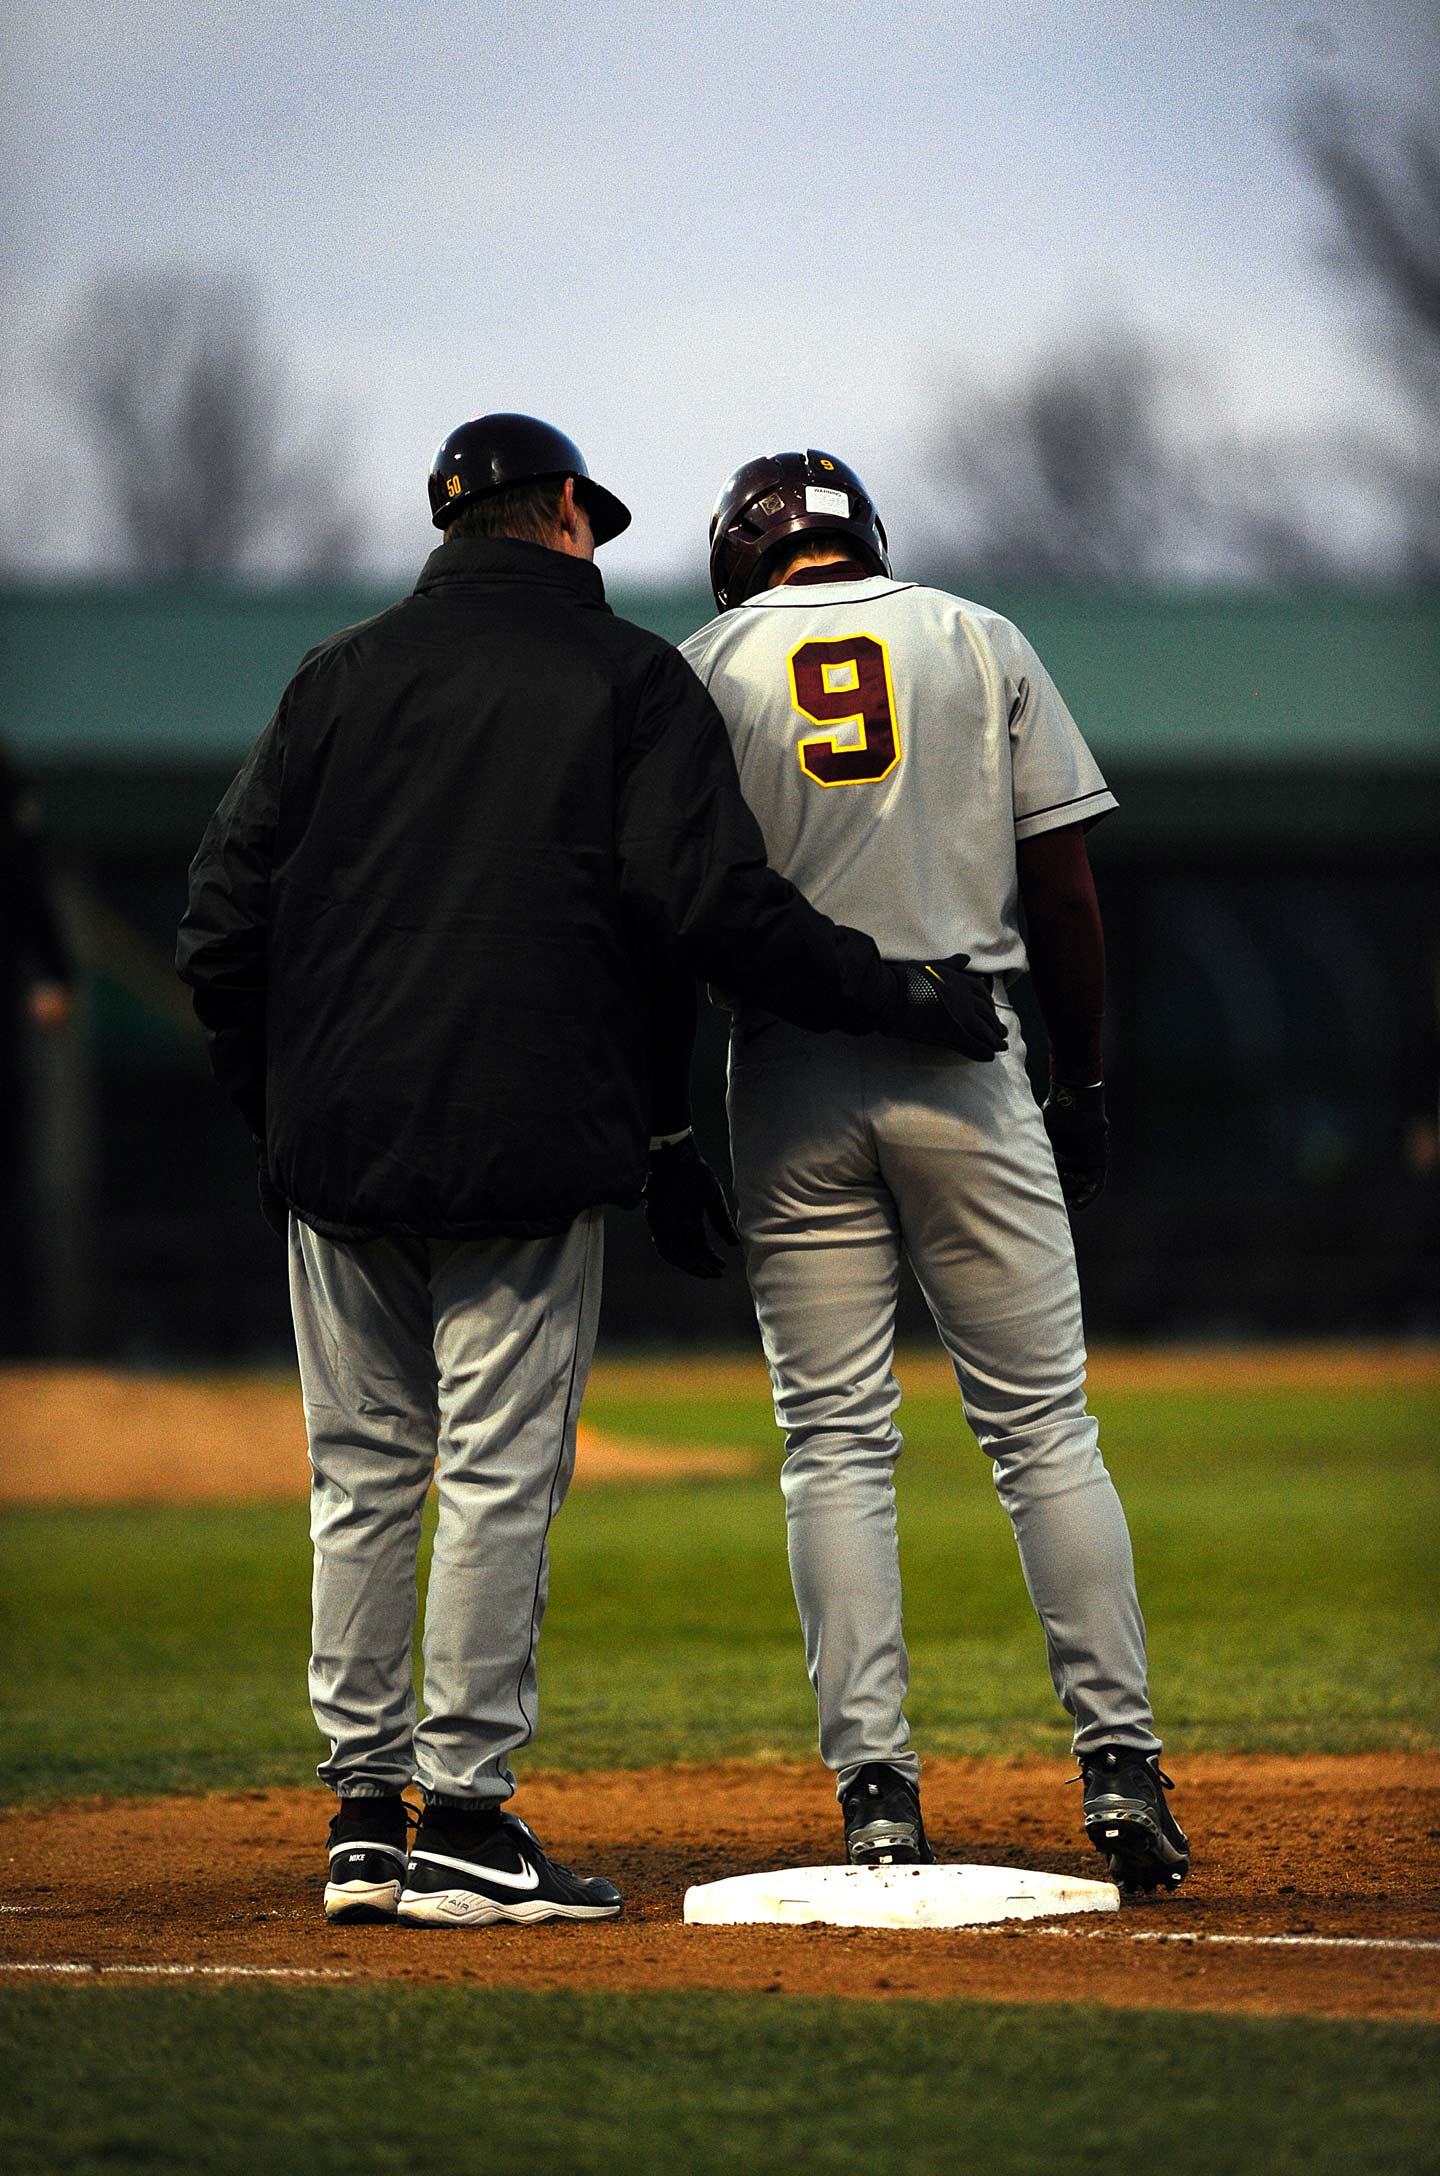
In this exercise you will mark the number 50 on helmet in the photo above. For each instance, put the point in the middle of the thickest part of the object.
(776, 498)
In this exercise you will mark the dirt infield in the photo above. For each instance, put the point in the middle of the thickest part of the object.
(1314, 1891)
(94, 1436)
(1111, 1369)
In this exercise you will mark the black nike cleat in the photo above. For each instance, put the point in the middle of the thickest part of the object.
(367, 1859)
(1128, 1820)
(471, 1868)
(882, 1819)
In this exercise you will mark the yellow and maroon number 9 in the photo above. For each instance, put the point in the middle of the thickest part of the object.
(846, 682)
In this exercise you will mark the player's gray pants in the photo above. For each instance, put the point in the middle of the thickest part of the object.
(848, 1150)
(478, 1349)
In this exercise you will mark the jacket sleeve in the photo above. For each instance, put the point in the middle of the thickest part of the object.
(674, 1009)
(694, 876)
(223, 939)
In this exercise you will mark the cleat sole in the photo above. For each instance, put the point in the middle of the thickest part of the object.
(466, 1908)
(361, 1903)
(887, 1843)
(889, 1855)
(1138, 1855)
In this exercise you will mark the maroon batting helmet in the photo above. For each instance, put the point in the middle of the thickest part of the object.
(780, 496)
(492, 453)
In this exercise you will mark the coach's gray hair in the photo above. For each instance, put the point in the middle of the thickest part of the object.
(528, 512)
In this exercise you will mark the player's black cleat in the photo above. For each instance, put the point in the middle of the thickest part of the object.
(1128, 1821)
(882, 1819)
(469, 1868)
(368, 1838)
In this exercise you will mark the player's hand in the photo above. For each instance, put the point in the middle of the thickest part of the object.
(682, 1197)
(273, 1206)
(1080, 1136)
(940, 1001)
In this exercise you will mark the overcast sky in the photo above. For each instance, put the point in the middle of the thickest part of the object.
(690, 234)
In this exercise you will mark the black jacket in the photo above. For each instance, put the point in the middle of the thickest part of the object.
(425, 920)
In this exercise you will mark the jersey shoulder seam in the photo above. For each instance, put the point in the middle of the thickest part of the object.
(1023, 816)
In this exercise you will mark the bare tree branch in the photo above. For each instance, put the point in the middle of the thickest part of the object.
(201, 464)
(1385, 196)
(1106, 462)
(1080, 471)
(1389, 219)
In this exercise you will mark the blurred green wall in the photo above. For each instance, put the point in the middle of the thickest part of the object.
(154, 673)
(1179, 694)
(1272, 909)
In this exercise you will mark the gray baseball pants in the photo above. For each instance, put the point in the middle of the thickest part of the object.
(849, 1151)
(475, 1353)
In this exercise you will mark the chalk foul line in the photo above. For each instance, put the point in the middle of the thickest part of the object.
(1411, 1943)
(183, 1971)
(1245, 1941)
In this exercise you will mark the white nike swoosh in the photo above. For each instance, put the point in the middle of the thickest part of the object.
(527, 1878)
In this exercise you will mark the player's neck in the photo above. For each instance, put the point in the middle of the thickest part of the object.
(835, 567)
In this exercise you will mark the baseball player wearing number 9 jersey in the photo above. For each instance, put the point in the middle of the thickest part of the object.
(915, 772)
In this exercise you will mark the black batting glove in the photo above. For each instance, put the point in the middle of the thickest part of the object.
(273, 1206)
(1080, 1136)
(682, 1197)
(941, 1002)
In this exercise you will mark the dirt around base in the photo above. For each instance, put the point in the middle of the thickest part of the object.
(1314, 1885)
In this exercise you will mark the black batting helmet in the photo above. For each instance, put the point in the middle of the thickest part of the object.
(493, 453)
(777, 497)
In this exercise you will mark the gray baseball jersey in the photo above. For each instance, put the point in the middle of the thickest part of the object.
(894, 742)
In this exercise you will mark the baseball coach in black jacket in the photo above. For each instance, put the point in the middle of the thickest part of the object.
(442, 934)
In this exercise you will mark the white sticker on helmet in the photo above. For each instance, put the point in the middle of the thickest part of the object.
(826, 502)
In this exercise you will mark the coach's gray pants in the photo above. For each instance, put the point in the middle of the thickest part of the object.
(848, 1151)
(477, 1350)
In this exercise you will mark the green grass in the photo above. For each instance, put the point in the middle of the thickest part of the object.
(373, 2079)
(1284, 1540)
(1286, 1556)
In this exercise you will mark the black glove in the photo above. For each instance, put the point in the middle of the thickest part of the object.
(942, 1003)
(273, 1206)
(1079, 1134)
(682, 1195)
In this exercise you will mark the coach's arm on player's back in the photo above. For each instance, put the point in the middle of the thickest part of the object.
(694, 877)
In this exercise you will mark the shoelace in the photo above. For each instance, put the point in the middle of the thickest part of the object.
(862, 1800)
(535, 1845)
(1157, 1771)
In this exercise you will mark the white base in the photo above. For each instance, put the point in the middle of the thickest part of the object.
(893, 1896)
